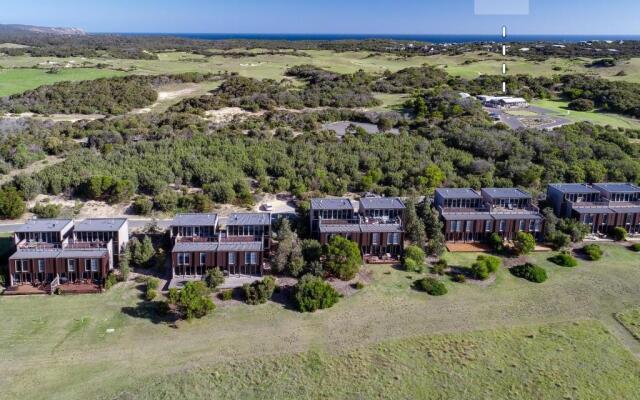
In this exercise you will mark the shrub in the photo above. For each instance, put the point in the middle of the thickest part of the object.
(439, 267)
(416, 254)
(460, 278)
(259, 292)
(214, 278)
(493, 263)
(110, 281)
(524, 243)
(582, 105)
(480, 270)
(193, 300)
(496, 242)
(432, 286)
(635, 247)
(530, 272)
(173, 296)
(142, 206)
(226, 295)
(358, 285)
(150, 294)
(619, 234)
(593, 252)
(564, 260)
(411, 266)
(47, 210)
(153, 283)
(312, 293)
(342, 258)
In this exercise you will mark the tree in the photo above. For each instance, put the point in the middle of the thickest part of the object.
(434, 229)
(312, 293)
(414, 258)
(524, 243)
(47, 210)
(496, 242)
(582, 105)
(214, 278)
(342, 258)
(12, 205)
(414, 226)
(619, 234)
(480, 270)
(142, 206)
(142, 252)
(194, 300)
(288, 256)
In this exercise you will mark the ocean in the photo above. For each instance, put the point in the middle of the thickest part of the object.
(435, 38)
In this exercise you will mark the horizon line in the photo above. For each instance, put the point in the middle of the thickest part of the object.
(358, 34)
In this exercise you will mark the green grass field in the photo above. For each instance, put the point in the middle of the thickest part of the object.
(273, 66)
(13, 81)
(631, 320)
(60, 345)
(560, 109)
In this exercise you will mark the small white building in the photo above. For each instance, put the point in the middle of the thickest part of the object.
(503, 101)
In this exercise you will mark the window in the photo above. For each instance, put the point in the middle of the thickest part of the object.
(250, 258)
(232, 258)
(393, 238)
(523, 226)
(21, 265)
(629, 219)
(488, 226)
(184, 258)
(203, 259)
(71, 265)
(41, 265)
(469, 226)
(457, 226)
(532, 226)
(503, 225)
(94, 265)
(375, 239)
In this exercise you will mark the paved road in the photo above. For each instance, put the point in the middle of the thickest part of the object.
(514, 122)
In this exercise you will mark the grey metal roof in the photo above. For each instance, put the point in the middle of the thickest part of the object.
(454, 193)
(593, 210)
(249, 219)
(240, 246)
(195, 220)
(480, 216)
(369, 228)
(34, 254)
(386, 203)
(625, 209)
(617, 187)
(44, 225)
(515, 216)
(340, 228)
(331, 204)
(100, 225)
(187, 247)
(506, 193)
(82, 253)
(579, 188)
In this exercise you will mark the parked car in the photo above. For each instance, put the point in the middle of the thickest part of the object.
(267, 207)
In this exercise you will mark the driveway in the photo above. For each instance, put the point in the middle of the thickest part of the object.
(515, 122)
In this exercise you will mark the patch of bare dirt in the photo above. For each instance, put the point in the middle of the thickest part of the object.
(228, 114)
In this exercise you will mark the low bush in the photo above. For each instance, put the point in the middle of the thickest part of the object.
(564, 260)
(635, 247)
(313, 293)
(480, 271)
(225, 295)
(432, 286)
(411, 266)
(439, 267)
(150, 294)
(173, 296)
(153, 283)
(593, 252)
(530, 272)
(110, 281)
(416, 256)
(259, 292)
(214, 278)
(492, 263)
(358, 285)
(459, 278)
(619, 234)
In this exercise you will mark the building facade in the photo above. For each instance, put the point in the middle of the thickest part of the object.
(601, 206)
(471, 216)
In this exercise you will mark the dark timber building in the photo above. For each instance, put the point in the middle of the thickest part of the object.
(470, 216)
(601, 206)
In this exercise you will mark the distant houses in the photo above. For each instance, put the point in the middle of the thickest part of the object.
(503, 102)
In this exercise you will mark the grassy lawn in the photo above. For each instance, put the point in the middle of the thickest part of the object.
(631, 320)
(269, 66)
(13, 81)
(61, 345)
(560, 109)
(525, 363)
(522, 113)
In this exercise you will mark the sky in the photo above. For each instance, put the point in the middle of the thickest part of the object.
(566, 17)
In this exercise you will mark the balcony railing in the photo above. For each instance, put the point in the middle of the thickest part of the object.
(604, 203)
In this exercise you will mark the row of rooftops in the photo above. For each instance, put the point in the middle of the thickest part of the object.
(187, 247)
(69, 252)
(237, 219)
(365, 203)
(601, 188)
(361, 228)
(87, 225)
(492, 193)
